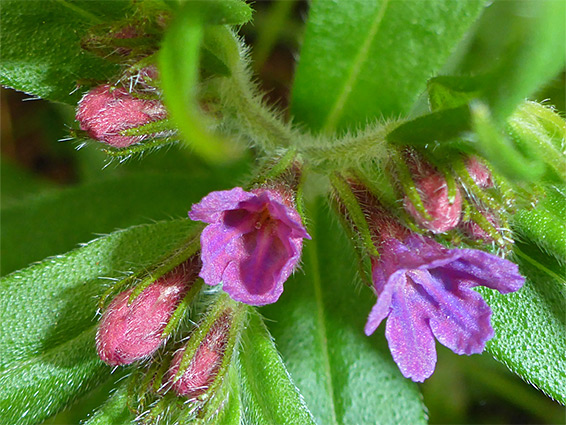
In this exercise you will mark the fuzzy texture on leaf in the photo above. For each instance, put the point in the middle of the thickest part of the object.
(425, 292)
(128, 333)
(252, 244)
(434, 194)
(106, 111)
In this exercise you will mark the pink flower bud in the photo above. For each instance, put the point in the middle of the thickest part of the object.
(201, 371)
(105, 111)
(475, 232)
(479, 173)
(433, 190)
(131, 332)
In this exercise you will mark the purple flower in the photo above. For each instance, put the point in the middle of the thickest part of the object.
(252, 244)
(425, 291)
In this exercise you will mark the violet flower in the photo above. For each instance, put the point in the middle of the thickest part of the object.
(425, 291)
(252, 244)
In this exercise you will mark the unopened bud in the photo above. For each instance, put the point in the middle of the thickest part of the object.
(479, 173)
(128, 333)
(204, 366)
(474, 231)
(105, 111)
(433, 190)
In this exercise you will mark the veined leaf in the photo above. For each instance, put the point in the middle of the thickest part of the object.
(371, 59)
(49, 318)
(344, 376)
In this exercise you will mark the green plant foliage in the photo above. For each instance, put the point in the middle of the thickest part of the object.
(57, 222)
(363, 60)
(17, 184)
(41, 51)
(179, 77)
(544, 224)
(344, 376)
(530, 328)
(115, 410)
(266, 391)
(536, 57)
(49, 318)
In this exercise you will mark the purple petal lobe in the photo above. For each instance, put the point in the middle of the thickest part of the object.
(459, 318)
(409, 336)
(252, 245)
(211, 207)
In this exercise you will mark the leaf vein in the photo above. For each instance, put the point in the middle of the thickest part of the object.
(336, 111)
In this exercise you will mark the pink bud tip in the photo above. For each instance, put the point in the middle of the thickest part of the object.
(131, 332)
(433, 190)
(475, 232)
(201, 371)
(105, 111)
(479, 173)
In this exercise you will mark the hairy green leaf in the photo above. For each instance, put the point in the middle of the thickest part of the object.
(544, 225)
(49, 318)
(344, 376)
(370, 59)
(115, 410)
(267, 392)
(41, 50)
(530, 325)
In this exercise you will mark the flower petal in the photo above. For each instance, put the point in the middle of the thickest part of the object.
(211, 207)
(409, 335)
(221, 242)
(459, 317)
(482, 268)
(255, 278)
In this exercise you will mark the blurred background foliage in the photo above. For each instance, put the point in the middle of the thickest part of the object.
(38, 161)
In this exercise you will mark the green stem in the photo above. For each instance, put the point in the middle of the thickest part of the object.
(348, 199)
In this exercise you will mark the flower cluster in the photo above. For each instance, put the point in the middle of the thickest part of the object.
(253, 241)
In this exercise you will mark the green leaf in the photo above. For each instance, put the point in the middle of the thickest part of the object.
(18, 184)
(49, 319)
(41, 51)
(530, 325)
(444, 125)
(371, 59)
(544, 224)
(222, 12)
(533, 59)
(344, 376)
(58, 221)
(267, 392)
(179, 60)
(115, 410)
(448, 92)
